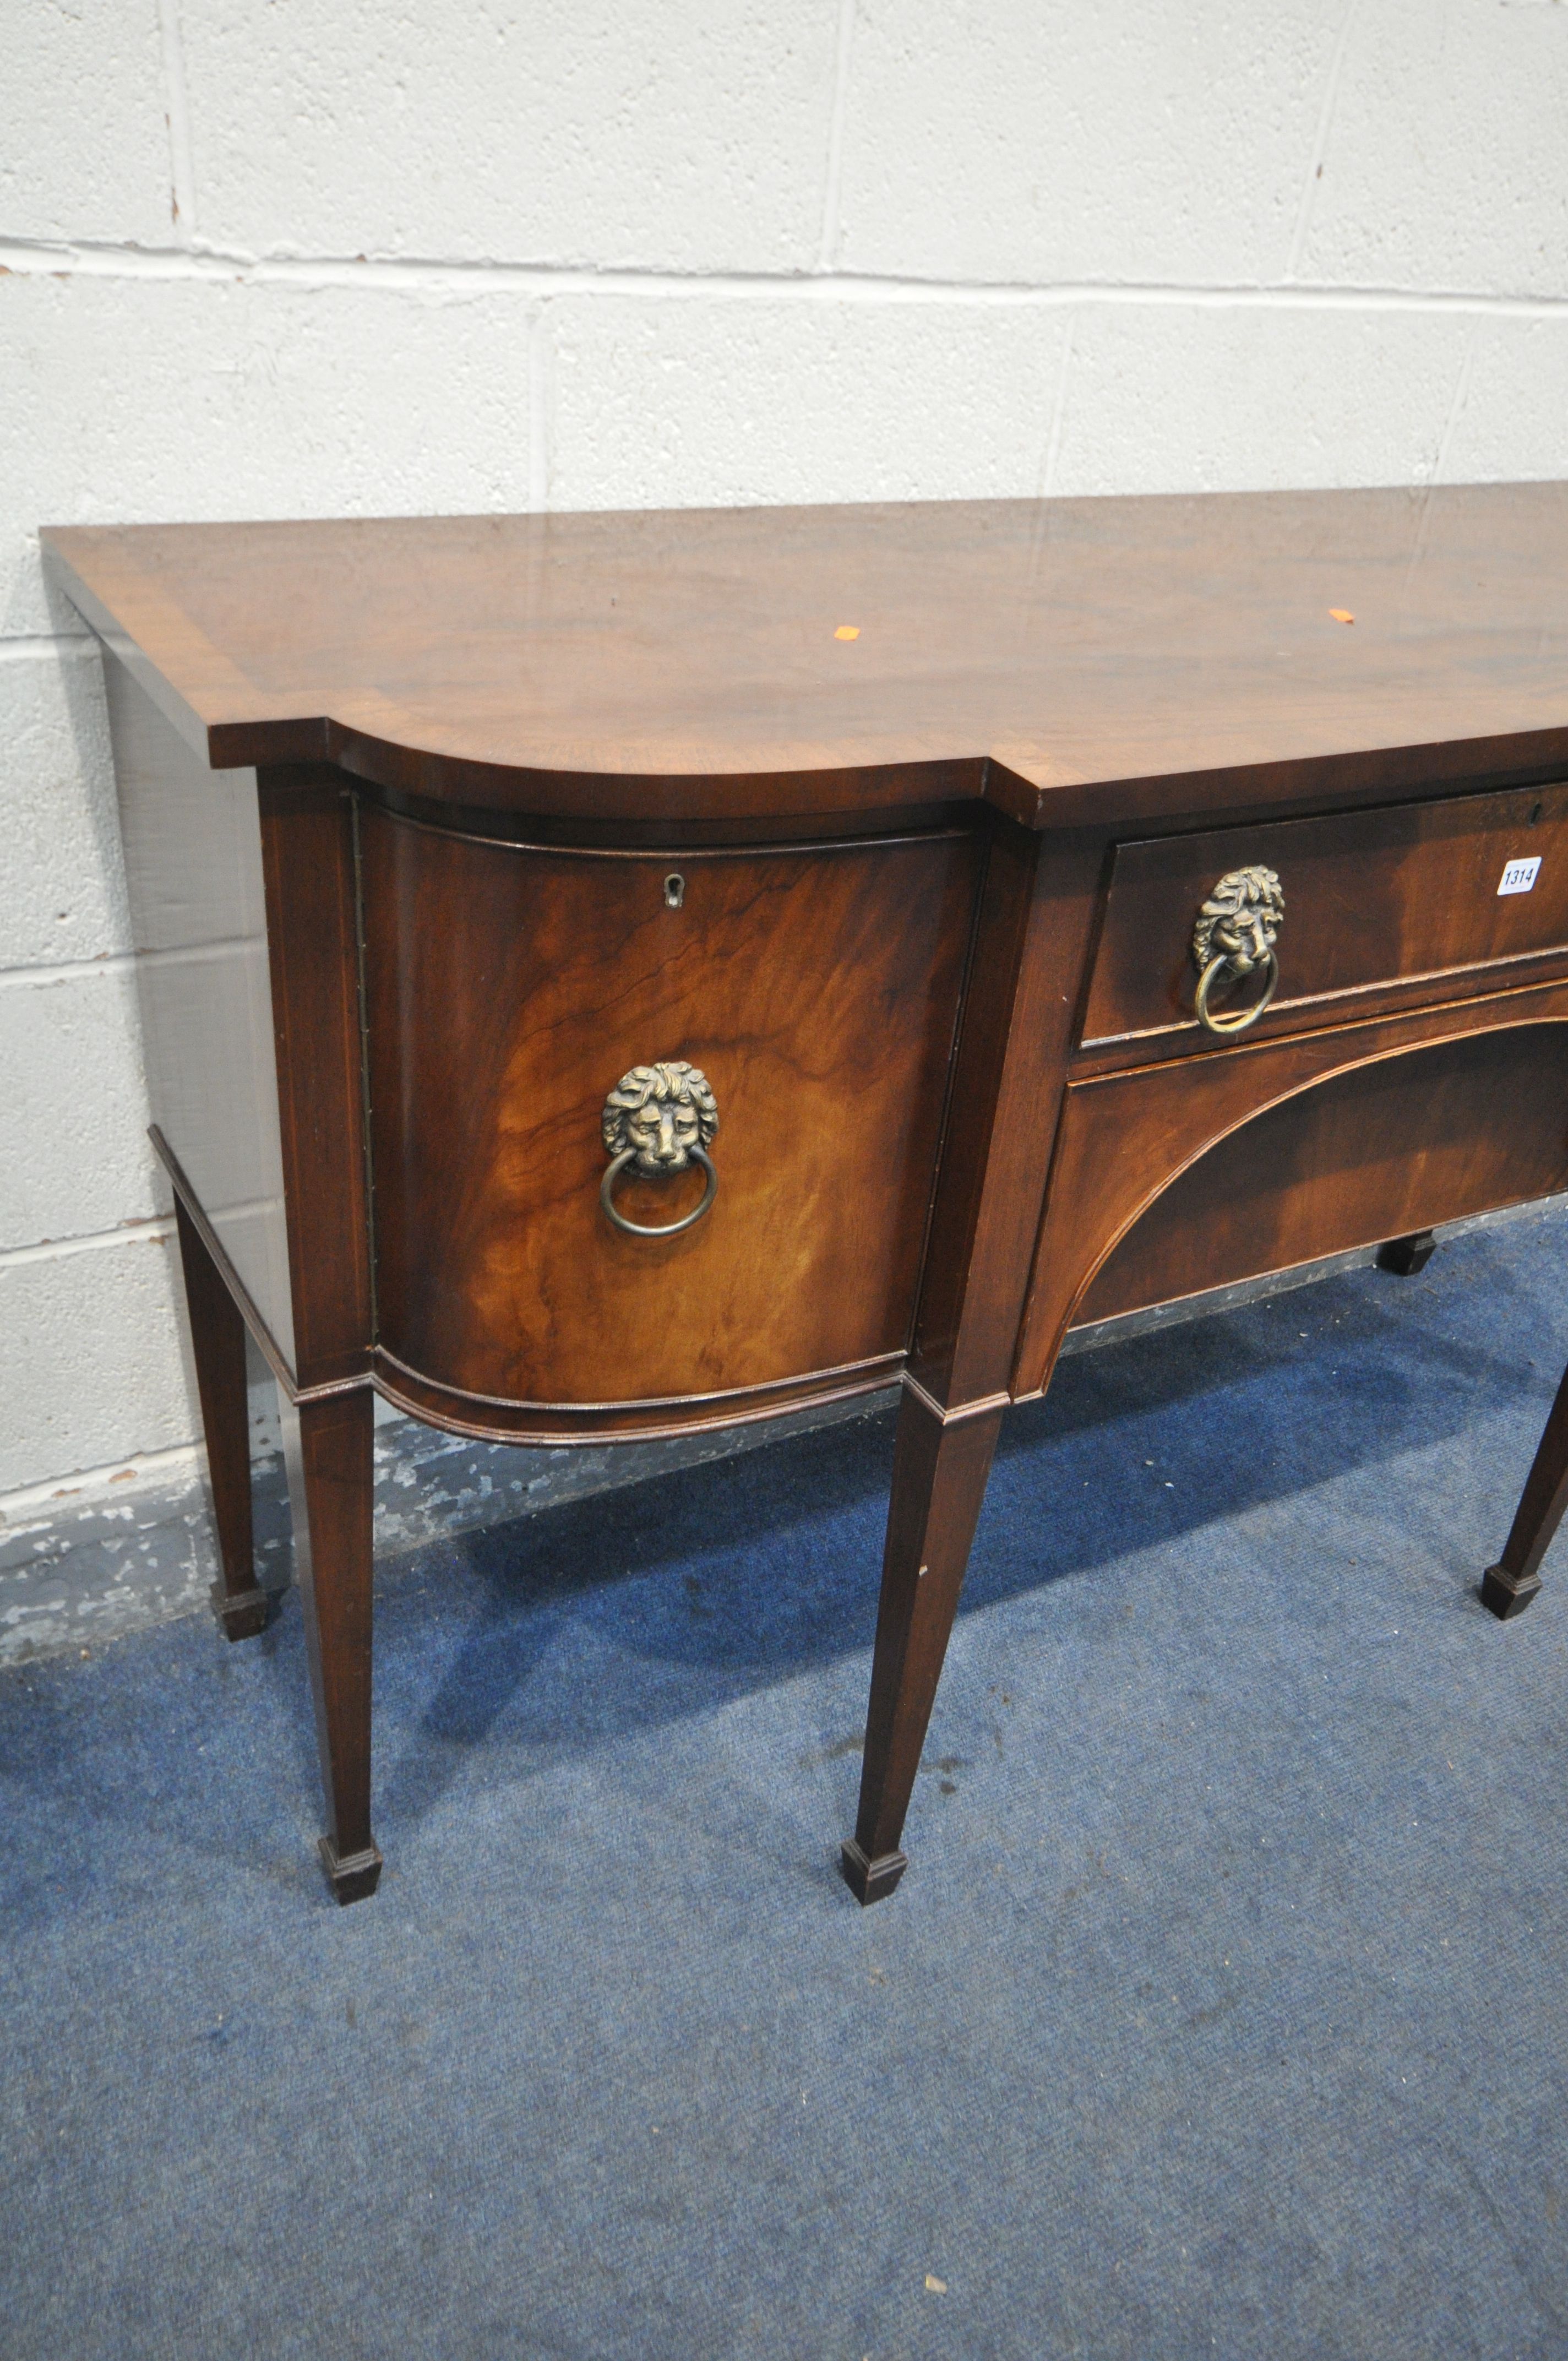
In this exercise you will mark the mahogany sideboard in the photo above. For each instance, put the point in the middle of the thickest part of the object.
(604, 975)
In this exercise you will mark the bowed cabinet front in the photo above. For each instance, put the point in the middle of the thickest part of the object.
(508, 990)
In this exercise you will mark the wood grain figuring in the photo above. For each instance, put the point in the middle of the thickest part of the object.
(1035, 919)
(1124, 1141)
(1031, 944)
(330, 1475)
(307, 845)
(940, 1468)
(549, 1424)
(1032, 654)
(1370, 898)
(1379, 1152)
(508, 991)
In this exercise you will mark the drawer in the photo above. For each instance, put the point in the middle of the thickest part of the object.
(1459, 1127)
(1182, 1175)
(507, 991)
(1372, 899)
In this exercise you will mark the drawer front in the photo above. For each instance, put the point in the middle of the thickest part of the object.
(1372, 899)
(1186, 1174)
(1460, 1127)
(508, 992)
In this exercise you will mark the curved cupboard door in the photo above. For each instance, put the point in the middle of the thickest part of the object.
(509, 990)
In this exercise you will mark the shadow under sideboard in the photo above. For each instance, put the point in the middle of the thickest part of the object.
(91, 1564)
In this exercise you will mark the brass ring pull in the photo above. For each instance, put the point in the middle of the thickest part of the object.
(1236, 931)
(1241, 1017)
(659, 1120)
(661, 1229)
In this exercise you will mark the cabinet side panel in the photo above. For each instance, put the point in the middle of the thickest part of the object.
(193, 845)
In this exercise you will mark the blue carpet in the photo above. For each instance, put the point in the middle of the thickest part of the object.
(1219, 2012)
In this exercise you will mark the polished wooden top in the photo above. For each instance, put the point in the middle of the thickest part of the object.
(1071, 661)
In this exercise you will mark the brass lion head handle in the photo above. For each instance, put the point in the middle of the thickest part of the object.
(659, 1120)
(1236, 931)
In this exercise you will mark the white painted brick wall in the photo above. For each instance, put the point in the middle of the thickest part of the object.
(329, 256)
(63, 885)
(1065, 143)
(688, 136)
(84, 140)
(91, 1355)
(70, 1053)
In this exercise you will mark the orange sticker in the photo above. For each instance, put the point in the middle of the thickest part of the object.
(847, 632)
(1342, 614)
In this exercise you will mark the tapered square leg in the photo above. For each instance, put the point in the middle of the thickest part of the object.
(217, 1341)
(870, 1881)
(1504, 1595)
(329, 1448)
(1509, 1587)
(940, 1473)
(1407, 1256)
